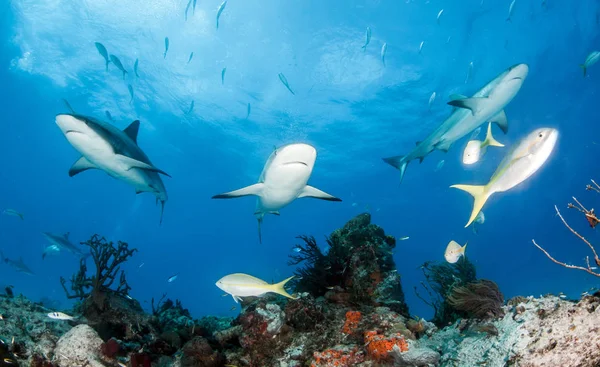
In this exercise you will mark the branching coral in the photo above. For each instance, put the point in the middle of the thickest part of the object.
(593, 221)
(108, 260)
(440, 280)
(481, 299)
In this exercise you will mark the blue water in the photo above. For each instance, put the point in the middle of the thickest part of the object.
(347, 104)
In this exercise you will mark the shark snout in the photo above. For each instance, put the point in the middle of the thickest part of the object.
(519, 71)
(68, 123)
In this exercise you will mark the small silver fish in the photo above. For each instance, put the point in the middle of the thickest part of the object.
(403, 238)
(191, 57)
(130, 93)
(439, 165)
(511, 8)
(166, 47)
(13, 213)
(102, 50)
(297, 249)
(142, 264)
(368, 39)
(135, 68)
(383, 51)
(439, 16)
(172, 278)
(421, 47)
(115, 60)
(220, 10)
(431, 99)
(284, 81)
(223, 75)
(191, 108)
(60, 316)
(469, 72)
(187, 8)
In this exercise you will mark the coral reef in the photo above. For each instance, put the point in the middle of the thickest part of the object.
(358, 267)
(325, 326)
(440, 280)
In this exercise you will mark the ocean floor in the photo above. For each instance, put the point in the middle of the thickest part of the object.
(349, 311)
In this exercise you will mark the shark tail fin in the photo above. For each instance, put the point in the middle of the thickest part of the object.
(479, 193)
(489, 139)
(162, 210)
(582, 66)
(279, 288)
(399, 162)
(21, 216)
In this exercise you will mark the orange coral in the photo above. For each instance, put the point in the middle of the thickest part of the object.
(352, 320)
(378, 345)
(337, 358)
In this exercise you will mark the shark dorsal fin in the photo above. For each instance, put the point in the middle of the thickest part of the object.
(132, 130)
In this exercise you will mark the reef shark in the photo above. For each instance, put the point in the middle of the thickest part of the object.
(116, 152)
(283, 179)
(62, 242)
(19, 265)
(485, 105)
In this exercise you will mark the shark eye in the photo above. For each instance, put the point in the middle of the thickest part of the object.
(540, 135)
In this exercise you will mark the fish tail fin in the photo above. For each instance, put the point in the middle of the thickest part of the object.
(279, 288)
(489, 139)
(480, 195)
(582, 66)
(399, 162)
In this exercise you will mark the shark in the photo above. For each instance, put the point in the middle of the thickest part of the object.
(486, 105)
(284, 179)
(19, 264)
(63, 243)
(116, 152)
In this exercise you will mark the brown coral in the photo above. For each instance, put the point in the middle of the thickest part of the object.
(337, 358)
(481, 299)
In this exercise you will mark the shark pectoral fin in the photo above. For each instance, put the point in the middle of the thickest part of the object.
(255, 189)
(82, 164)
(275, 212)
(132, 130)
(500, 120)
(417, 143)
(134, 163)
(399, 162)
(443, 145)
(456, 96)
(473, 104)
(421, 159)
(479, 193)
(313, 192)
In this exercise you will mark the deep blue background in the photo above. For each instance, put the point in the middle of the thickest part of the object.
(353, 110)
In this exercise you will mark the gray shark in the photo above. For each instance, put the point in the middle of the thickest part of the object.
(470, 113)
(116, 152)
(62, 242)
(19, 265)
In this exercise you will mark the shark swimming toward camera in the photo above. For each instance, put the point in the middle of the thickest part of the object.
(116, 152)
(283, 179)
(62, 242)
(19, 264)
(470, 113)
